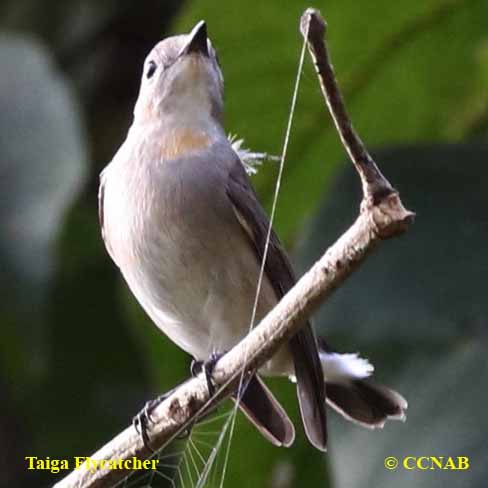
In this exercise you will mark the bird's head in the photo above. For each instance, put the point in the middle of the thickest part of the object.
(181, 80)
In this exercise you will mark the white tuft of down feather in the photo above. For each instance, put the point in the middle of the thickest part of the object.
(249, 159)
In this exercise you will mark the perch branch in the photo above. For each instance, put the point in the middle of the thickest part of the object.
(382, 216)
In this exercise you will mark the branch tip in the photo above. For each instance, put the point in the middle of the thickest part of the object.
(313, 22)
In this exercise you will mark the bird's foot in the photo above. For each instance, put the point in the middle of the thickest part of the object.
(143, 419)
(207, 367)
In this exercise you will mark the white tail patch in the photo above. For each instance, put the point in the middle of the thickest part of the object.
(342, 367)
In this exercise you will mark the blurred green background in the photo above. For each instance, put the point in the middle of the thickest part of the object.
(77, 355)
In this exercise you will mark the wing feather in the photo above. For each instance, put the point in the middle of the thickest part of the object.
(278, 269)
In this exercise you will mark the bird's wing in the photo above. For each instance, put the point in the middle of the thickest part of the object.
(101, 201)
(101, 195)
(101, 192)
(278, 270)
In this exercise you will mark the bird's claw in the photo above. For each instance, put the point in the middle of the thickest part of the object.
(142, 420)
(207, 367)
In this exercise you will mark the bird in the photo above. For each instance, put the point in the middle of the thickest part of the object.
(181, 220)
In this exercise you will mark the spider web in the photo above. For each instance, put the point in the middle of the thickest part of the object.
(193, 461)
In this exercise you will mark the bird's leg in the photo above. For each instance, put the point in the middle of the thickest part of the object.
(196, 367)
(207, 367)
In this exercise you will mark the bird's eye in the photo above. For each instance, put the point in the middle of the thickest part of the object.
(151, 69)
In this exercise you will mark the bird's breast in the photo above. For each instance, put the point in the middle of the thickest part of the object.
(181, 142)
(182, 251)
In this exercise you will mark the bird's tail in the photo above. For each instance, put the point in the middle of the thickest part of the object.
(265, 412)
(351, 393)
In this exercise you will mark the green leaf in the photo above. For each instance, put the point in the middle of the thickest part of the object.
(417, 309)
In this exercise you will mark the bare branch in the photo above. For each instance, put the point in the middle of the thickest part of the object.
(375, 185)
(382, 216)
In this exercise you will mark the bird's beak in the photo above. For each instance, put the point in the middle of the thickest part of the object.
(197, 40)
